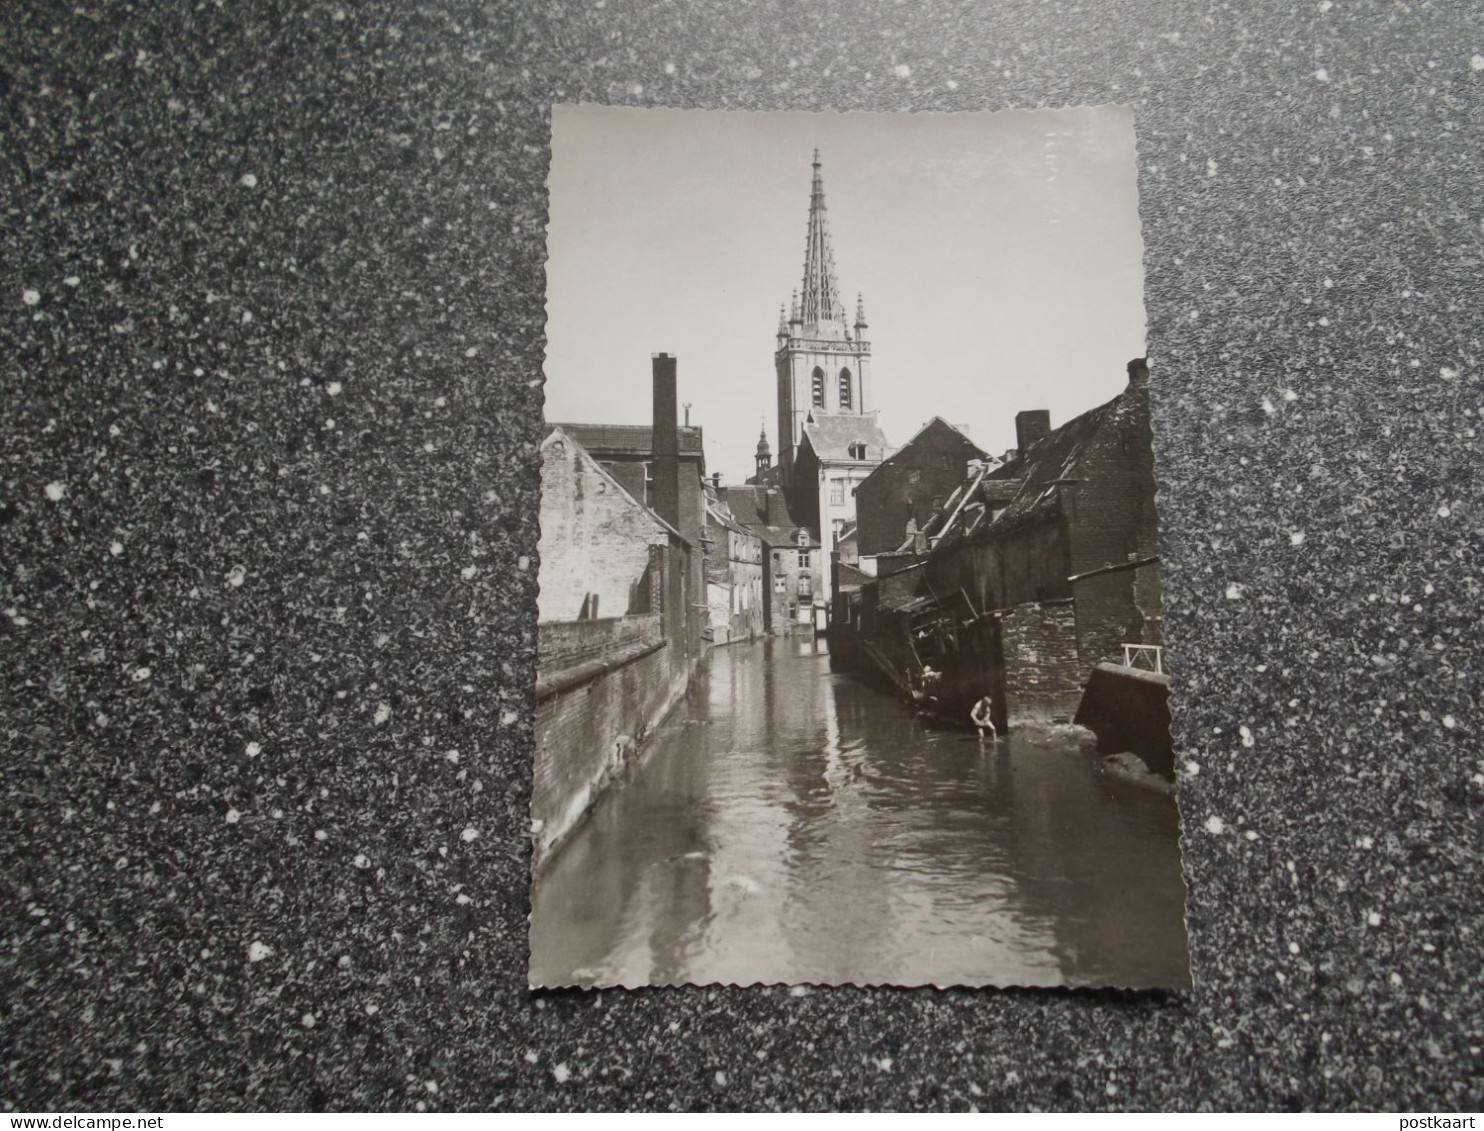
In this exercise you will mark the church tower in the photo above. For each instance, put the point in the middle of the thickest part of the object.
(822, 359)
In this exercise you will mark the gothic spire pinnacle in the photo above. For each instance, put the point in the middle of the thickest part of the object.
(860, 312)
(782, 322)
(821, 292)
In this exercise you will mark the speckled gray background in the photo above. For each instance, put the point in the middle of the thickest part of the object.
(271, 334)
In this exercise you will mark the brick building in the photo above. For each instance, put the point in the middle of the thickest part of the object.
(794, 582)
(899, 496)
(735, 583)
(636, 456)
(597, 541)
(622, 618)
(1032, 572)
(626, 452)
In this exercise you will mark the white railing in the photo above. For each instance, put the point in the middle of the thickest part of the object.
(1146, 657)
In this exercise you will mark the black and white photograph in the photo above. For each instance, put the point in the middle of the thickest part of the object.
(604, 556)
(851, 660)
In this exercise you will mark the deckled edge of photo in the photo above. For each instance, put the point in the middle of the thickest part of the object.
(1093, 992)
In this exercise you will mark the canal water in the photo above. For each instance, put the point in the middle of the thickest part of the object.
(790, 824)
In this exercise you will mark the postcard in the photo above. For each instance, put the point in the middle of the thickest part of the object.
(851, 651)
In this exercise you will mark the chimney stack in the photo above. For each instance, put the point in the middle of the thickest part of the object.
(665, 443)
(1030, 426)
(1138, 373)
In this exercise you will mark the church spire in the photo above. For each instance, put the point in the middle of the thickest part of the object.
(821, 292)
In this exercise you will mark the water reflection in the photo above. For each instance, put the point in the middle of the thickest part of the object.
(790, 824)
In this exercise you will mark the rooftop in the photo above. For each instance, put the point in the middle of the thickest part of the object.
(628, 439)
(832, 434)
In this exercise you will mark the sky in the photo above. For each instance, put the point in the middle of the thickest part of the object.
(999, 257)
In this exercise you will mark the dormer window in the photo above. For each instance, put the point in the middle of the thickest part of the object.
(857, 450)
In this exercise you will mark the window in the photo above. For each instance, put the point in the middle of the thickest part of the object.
(857, 450)
(648, 483)
(837, 492)
(845, 396)
(803, 559)
(818, 387)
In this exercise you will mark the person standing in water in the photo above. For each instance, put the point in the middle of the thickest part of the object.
(982, 717)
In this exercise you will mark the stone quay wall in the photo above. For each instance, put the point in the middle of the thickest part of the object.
(602, 687)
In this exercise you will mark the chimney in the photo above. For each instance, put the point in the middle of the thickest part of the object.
(665, 443)
(1138, 373)
(1030, 426)
(716, 480)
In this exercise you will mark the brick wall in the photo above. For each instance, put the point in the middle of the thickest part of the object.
(594, 539)
(562, 645)
(1117, 608)
(1020, 566)
(1042, 674)
(588, 734)
(929, 467)
(1115, 517)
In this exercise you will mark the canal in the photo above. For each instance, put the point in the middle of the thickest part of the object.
(790, 824)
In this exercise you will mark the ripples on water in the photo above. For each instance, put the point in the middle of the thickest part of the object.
(790, 824)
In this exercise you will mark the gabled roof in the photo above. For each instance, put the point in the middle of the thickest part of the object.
(830, 434)
(749, 506)
(721, 514)
(1053, 457)
(628, 439)
(1024, 490)
(923, 431)
(558, 432)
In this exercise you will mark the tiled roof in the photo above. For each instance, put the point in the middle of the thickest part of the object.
(1024, 490)
(1053, 457)
(749, 506)
(831, 434)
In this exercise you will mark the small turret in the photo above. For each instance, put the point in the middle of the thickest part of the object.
(764, 456)
(860, 315)
(782, 325)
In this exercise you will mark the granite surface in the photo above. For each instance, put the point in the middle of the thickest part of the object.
(271, 343)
